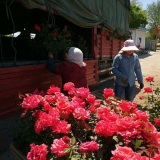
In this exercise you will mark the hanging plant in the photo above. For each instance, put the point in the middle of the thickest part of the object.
(54, 39)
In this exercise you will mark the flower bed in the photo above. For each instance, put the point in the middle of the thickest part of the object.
(77, 126)
(152, 101)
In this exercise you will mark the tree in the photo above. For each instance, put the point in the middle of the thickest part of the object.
(138, 17)
(153, 11)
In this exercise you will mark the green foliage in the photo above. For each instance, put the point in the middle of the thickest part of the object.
(54, 39)
(153, 12)
(58, 39)
(138, 17)
(108, 122)
(151, 34)
(152, 105)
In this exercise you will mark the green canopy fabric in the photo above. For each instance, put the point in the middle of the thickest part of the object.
(111, 14)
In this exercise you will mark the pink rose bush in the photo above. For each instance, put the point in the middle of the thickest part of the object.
(152, 104)
(77, 126)
(37, 152)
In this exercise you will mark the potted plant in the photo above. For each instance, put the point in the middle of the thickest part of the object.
(54, 39)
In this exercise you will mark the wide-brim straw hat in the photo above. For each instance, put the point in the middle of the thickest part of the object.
(129, 45)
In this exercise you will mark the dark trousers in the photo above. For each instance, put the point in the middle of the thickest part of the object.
(128, 91)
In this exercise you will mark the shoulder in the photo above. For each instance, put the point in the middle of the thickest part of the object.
(135, 55)
(118, 56)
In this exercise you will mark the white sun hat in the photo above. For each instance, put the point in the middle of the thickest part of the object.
(75, 55)
(129, 45)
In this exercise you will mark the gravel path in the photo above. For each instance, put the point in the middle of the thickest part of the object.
(150, 64)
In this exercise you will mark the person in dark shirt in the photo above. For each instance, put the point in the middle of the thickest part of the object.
(126, 68)
(72, 70)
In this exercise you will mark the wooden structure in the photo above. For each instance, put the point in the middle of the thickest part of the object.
(25, 79)
(104, 50)
(139, 36)
(22, 79)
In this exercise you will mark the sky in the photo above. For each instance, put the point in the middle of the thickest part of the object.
(146, 2)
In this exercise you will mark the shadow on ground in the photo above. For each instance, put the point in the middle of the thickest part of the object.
(8, 127)
(137, 90)
(144, 55)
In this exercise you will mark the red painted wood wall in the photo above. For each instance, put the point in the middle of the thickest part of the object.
(104, 48)
(25, 79)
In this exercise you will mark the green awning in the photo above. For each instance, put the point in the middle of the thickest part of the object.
(112, 14)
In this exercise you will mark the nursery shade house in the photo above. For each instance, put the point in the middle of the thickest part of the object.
(97, 27)
(112, 14)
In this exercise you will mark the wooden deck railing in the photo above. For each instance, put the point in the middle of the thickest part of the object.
(19, 80)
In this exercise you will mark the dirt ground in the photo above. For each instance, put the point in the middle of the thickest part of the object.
(150, 64)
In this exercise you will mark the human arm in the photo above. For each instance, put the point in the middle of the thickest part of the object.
(141, 85)
(51, 63)
(138, 73)
(116, 71)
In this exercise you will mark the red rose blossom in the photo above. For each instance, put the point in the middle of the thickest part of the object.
(64, 107)
(92, 109)
(127, 106)
(150, 79)
(53, 89)
(141, 115)
(68, 86)
(82, 92)
(88, 147)
(66, 139)
(37, 152)
(105, 128)
(61, 127)
(37, 27)
(149, 131)
(59, 146)
(107, 34)
(148, 90)
(157, 121)
(102, 112)
(91, 98)
(127, 126)
(108, 92)
(77, 102)
(141, 97)
(156, 157)
(44, 120)
(81, 113)
(126, 153)
(31, 102)
(97, 103)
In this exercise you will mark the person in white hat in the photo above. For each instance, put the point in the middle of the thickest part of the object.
(126, 68)
(72, 70)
